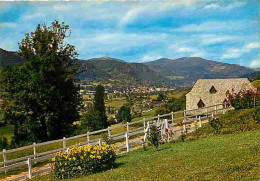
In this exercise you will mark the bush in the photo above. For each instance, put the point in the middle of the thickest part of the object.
(3, 143)
(111, 121)
(245, 99)
(84, 160)
(154, 136)
(216, 124)
(161, 111)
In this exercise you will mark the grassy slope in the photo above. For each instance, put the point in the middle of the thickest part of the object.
(227, 157)
(256, 83)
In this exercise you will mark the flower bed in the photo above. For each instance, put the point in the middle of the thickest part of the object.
(84, 160)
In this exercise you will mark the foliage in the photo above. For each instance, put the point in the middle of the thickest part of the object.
(40, 96)
(161, 97)
(3, 143)
(245, 99)
(256, 114)
(111, 121)
(91, 120)
(160, 111)
(99, 105)
(176, 104)
(106, 139)
(216, 124)
(154, 136)
(84, 160)
(124, 114)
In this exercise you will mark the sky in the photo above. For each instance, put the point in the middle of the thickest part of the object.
(141, 31)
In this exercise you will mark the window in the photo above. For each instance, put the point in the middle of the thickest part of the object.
(212, 90)
(201, 104)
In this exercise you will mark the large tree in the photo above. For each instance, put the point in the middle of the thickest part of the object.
(41, 97)
(99, 104)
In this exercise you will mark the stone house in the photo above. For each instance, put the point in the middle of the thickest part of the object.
(210, 92)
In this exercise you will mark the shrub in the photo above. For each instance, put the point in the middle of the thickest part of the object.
(216, 124)
(161, 111)
(84, 160)
(111, 121)
(3, 143)
(154, 136)
(245, 99)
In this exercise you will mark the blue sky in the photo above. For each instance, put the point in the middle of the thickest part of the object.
(225, 31)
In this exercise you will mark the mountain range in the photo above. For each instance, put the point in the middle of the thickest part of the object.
(162, 72)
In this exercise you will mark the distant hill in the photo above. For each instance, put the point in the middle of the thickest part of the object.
(127, 73)
(9, 58)
(188, 69)
(180, 72)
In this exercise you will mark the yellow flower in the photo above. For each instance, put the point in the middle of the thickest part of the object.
(79, 167)
(81, 157)
(74, 158)
(69, 159)
(63, 170)
(99, 157)
(53, 159)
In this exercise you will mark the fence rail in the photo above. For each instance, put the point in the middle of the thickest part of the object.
(167, 123)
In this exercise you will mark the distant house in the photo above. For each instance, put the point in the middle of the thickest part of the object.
(210, 92)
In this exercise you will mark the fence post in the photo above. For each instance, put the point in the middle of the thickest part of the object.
(88, 138)
(109, 131)
(5, 159)
(144, 125)
(99, 142)
(200, 121)
(212, 115)
(184, 126)
(64, 143)
(172, 117)
(158, 119)
(29, 168)
(166, 124)
(34, 150)
(127, 142)
(127, 126)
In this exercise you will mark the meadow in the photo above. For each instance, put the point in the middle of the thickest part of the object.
(226, 157)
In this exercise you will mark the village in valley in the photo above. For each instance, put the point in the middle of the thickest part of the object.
(130, 91)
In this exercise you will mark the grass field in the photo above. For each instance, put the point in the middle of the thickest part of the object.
(116, 103)
(176, 95)
(227, 157)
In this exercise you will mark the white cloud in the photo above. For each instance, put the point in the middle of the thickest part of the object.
(149, 57)
(213, 26)
(224, 7)
(8, 25)
(255, 63)
(183, 49)
(32, 16)
(252, 45)
(211, 39)
(238, 52)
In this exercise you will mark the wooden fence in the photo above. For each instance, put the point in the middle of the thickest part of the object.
(169, 122)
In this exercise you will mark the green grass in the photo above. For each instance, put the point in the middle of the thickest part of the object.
(7, 131)
(256, 83)
(116, 103)
(145, 115)
(227, 157)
